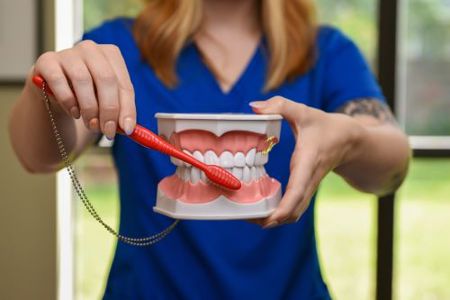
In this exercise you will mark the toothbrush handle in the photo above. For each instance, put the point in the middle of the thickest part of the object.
(144, 137)
(216, 174)
(39, 82)
(147, 138)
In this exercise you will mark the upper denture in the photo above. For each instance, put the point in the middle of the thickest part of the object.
(233, 141)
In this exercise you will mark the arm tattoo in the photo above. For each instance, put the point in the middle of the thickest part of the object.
(380, 111)
(369, 107)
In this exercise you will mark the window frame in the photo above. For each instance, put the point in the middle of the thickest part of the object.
(68, 29)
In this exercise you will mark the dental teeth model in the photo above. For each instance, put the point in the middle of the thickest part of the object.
(236, 142)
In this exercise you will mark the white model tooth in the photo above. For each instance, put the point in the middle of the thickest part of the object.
(226, 159)
(183, 172)
(253, 173)
(264, 158)
(198, 155)
(203, 176)
(177, 172)
(187, 174)
(246, 174)
(195, 175)
(263, 171)
(238, 172)
(250, 158)
(258, 159)
(211, 158)
(239, 159)
(188, 153)
(258, 173)
(176, 161)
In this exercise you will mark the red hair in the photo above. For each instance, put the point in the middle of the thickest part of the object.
(165, 26)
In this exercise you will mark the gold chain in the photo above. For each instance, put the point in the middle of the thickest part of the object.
(146, 241)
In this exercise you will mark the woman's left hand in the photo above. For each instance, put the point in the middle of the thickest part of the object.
(323, 142)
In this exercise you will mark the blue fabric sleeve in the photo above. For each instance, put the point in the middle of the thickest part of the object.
(347, 76)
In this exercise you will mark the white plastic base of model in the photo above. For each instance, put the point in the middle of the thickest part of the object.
(219, 209)
(219, 124)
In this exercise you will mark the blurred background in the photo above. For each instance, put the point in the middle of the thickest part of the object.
(41, 256)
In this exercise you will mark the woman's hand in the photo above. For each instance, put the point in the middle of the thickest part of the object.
(323, 142)
(91, 81)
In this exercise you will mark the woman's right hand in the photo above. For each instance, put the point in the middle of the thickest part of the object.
(91, 81)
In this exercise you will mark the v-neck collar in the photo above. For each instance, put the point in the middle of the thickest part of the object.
(241, 78)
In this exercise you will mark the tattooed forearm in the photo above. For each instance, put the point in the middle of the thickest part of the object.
(369, 107)
(388, 146)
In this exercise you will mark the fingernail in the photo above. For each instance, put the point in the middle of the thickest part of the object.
(271, 225)
(94, 124)
(128, 126)
(75, 112)
(257, 104)
(110, 129)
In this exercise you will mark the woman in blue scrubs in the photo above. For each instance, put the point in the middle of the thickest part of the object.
(217, 56)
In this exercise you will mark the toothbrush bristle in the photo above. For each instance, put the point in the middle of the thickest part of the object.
(222, 177)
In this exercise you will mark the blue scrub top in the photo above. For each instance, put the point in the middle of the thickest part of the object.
(220, 259)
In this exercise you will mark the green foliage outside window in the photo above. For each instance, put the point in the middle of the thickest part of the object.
(95, 11)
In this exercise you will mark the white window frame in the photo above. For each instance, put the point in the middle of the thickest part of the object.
(68, 29)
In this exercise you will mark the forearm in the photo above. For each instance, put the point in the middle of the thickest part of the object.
(379, 159)
(31, 133)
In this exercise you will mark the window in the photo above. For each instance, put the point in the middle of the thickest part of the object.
(95, 11)
(345, 218)
(356, 18)
(425, 67)
(421, 264)
(94, 246)
(421, 269)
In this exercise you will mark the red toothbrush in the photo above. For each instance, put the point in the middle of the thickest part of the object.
(147, 138)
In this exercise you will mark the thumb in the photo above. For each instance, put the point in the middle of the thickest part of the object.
(290, 110)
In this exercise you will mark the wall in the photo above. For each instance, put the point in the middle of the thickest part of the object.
(27, 210)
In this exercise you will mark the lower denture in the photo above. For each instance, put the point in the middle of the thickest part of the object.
(201, 192)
